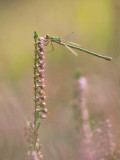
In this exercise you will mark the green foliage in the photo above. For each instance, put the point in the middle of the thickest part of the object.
(39, 148)
(38, 125)
(35, 36)
(37, 116)
(92, 123)
(25, 120)
(36, 138)
(77, 74)
(42, 110)
(31, 125)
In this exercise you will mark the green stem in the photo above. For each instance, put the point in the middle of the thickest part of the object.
(35, 112)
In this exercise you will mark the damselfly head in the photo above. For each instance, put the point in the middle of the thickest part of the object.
(47, 36)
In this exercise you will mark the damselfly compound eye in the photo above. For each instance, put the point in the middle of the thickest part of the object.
(47, 36)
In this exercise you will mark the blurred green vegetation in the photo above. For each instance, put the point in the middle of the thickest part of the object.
(94, 23)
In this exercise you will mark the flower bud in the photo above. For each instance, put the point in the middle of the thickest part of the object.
(45, 110)
(43, 104)
(43, 116)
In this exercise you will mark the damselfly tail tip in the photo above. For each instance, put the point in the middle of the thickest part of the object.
(108, 58)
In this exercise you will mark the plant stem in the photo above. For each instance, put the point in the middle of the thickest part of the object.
(35, 93)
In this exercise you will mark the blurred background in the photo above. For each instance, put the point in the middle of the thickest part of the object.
(95, 25)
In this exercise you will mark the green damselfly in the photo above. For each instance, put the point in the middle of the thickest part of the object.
(71, 47)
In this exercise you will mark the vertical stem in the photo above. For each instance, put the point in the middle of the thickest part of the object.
(35, 93)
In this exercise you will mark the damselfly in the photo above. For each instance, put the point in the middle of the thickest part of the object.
(71, 47)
